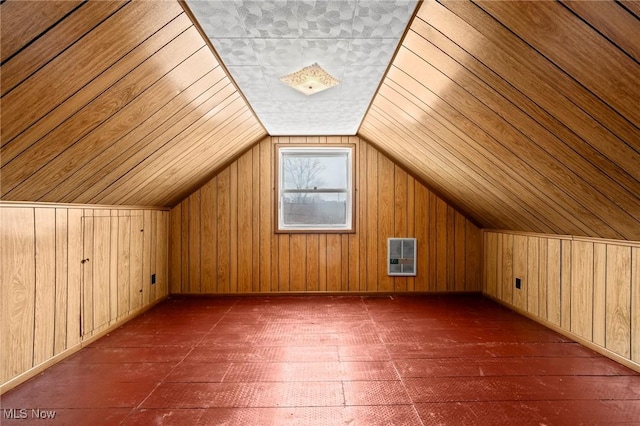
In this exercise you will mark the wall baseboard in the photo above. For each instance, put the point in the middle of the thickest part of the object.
(578, 339)
(333, 293)
(32, 372)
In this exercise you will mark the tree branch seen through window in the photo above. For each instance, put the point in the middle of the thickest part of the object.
(314, 188)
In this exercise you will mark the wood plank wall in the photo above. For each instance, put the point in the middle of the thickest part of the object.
(222, 237)
(113, 102)
(522, 113)
(587, 287)
(52, 301)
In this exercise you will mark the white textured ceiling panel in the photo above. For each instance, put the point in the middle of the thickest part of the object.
(261, 41)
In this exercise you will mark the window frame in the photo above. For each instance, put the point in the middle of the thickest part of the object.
(280, 150)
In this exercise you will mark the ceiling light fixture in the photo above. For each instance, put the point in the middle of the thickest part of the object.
(310, 80)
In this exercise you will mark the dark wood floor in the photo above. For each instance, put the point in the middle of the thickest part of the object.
(459, 360)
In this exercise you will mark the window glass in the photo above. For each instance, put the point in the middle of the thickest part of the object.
(314, 188)
(315, 171)
(317, 208)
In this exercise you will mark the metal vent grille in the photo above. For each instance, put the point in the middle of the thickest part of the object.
(401, 256)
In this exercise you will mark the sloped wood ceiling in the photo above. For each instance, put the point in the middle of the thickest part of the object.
(113, 102)
(524, 114)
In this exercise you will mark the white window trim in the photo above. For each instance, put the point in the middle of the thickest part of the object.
(281, 151)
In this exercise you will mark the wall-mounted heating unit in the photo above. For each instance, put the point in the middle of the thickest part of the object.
(401, 256)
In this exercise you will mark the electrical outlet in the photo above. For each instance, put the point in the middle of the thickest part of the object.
(153, 278)
(518, 283)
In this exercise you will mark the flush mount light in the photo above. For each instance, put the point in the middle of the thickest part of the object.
(310, 80)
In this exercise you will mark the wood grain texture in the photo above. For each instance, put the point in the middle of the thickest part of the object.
(411, 222)
(22, 23)
(599, 293)
(82, 102)
(233, 225)
(386, 218)
(504, 266)
(244, 215)
(149, 223)
(86, 285)
(441, 246)
(142, 108)
(487, 104)
(266, 190)
(83, 61)
(175, 248)
(61, 280)
(124, 262)
(486, 123)
(548, 80)
(194, 243)
(17, 265)
(520, 270)
(520, 115)
(372, 250)
(92, 91)
(582, 293)
(282, 265)
(635, 304)
(460, 266)
(333, 263)
(45, 290)
(47, 46)
(255, 219)
(94, 113)
(185, 273)
(542, 24)
(618, 307)
(101, 282)
(490, 270)
(224, 237)
(631, 6)
(612, 21)
(298, 262)
(508, 261)
(590, 286)
(566, 248)
(162, 255)
(137, 246)
(50, 299)
(74, 292)
(553, 281)
(325, 262)
(533, 275)
(543, 291)
(209, 258)
(164, 178)
(413, 156)
(113, 266)
(312, 262)
(134, 101)
(421, 232)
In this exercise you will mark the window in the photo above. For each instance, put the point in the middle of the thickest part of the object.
(315, 188)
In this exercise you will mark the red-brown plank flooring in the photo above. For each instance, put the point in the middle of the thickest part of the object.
(323, 360)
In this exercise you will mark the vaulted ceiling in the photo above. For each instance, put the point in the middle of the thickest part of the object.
(524, 115)
(261, 41)
(113, 102)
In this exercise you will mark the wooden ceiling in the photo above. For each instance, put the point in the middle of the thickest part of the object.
(524, 115)
(113, 102)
